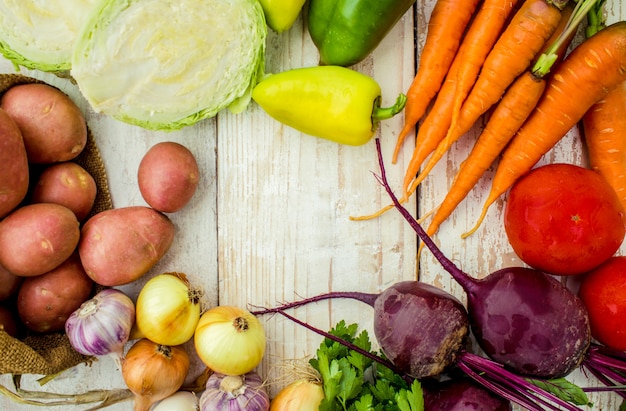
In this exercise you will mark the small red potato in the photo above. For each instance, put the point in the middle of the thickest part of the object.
(120, 245)
(14, 175)
(37, 238)
(9, 284)
(44, 302)
(168, 176)
(67, 184)
(52, 125)
(8, 321)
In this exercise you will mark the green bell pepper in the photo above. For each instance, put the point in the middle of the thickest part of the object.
(281, 14)
(331, 102)
(347, 31)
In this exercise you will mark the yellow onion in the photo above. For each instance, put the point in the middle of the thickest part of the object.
(229, 340)
(301, 395)
(153, 371)
(168, 309)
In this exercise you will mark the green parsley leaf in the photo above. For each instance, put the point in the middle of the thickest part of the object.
(353, 382)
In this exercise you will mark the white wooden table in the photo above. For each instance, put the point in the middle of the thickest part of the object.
(270, 221)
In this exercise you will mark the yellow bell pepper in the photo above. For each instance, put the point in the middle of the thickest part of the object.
(331, 102)
(281, 14)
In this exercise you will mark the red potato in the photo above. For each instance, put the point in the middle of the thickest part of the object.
(8, 321)
(9, 284)
(168, 176)
(67, 184)
(44, 302)
(120, 245)
(52, 125)
(14, 175)
(37, 238)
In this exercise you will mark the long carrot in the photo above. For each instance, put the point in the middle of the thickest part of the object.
(604, 126)
(586, 75)
(510, 113)
(488, 25)
(479, 39)
(446, 27)
(519, 44)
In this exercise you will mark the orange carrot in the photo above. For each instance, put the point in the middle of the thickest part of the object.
(604, 124)
(488, 25)
(480, 37)
(510, 113)
(604, 127)
(586, 75)
(521, 41)
(446, 26)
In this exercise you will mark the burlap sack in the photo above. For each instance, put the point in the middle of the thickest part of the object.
(49, 354)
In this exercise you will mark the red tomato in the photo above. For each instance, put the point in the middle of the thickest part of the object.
(563, 219)
(603, 291)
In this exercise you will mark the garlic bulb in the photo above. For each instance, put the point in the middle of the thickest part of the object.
(234, 392)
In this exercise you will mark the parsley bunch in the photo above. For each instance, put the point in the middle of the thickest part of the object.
(353, 382)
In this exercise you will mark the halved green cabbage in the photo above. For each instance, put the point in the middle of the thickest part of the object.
(163, 64)
(40, 34)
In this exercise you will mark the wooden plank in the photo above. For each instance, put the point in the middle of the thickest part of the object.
(284, 205)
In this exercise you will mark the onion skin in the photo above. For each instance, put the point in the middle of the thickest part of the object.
(230, 340)
(301, 395)
(153, 372)
(102, 325)
(168, 309)
(234, 393)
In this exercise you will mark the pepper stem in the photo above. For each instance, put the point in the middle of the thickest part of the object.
(384, 113)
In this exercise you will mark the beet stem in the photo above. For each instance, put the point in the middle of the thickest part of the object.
(498, 389)
(347, 344)
(366, 298)
(497, 371)
(464, 280)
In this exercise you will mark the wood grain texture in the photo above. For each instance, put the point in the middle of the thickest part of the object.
(270, 221)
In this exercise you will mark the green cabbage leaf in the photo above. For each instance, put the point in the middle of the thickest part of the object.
(164, 64)
(40, 34)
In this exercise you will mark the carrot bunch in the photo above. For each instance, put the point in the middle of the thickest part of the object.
(511, 61)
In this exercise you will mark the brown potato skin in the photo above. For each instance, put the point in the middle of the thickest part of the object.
(44, 302)
(14, 176)
(52, 125)
(120, 245)
(37, 238)
(168, 176)
(67, 184)
(9, 284)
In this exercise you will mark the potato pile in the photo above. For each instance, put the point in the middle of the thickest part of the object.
(43, 199)
(53, 252)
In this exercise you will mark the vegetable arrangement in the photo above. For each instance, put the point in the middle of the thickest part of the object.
(225, 332)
